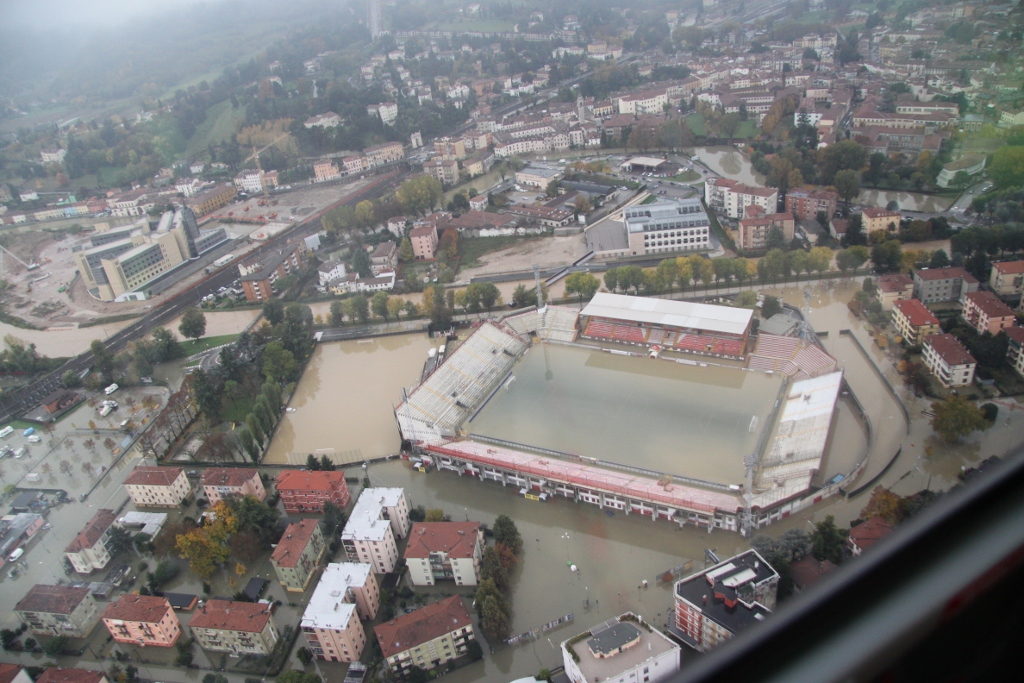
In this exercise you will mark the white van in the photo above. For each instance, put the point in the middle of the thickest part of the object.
(6, 432)
(13, 557)
(111, 389)
(107, 409)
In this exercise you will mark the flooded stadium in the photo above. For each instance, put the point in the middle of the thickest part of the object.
(654, 414)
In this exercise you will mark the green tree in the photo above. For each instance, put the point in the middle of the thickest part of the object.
(1007, 167)
(847, 184)
(361, 263)
(848, 259)
(522, 297)
(729, 124)
(405, 250)
(56, 646)
(278, 362)
(956, 417)
(193, 324)
(103, 360)
(379, 305)
(166, 345)
(366, 213)
(207, 393)
(770, 306)
(552, 188)
(489, 295)
(746, 299)
(828, 541)
(337, 314)
(273, 311)
(294, 676)
(506, 533)
(119, 540)
(360, 308)
(434, 515)
(440, 312)
(305, 656)
(611, 279)
(419, 194)
(493, 620)
(583, 285)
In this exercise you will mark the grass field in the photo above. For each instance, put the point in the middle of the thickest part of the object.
(194, 346)
(746, 129)
(220, 124)
(696, 124)
(686, 177)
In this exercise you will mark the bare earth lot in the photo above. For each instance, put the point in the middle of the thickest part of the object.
(549, 251)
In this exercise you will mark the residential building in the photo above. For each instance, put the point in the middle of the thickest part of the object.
(805, 203)
(754, 232)
(346, 593)
(621, 649)
(253, 181)
(547, 216)
(384, 258)
(386, 111)
(297, 554)
(731, 197)
(1015, 349)
(326, 169)
(220, 482)
(445, 170)
(893, 287)
(971, 164)
(353, 284)
(307, 491)
(868, 533)
(808, 571)
(424, 241)
(259, 276)
(17, 529)
(353, 164)
(986, 312)
(213, 199)
(88, 550)
(151, 487)
(330, 270)
(948, 360)
(444, 550)
(537, 176)
(713, 605)
(58, 611)
(1009, 118)
(1007, 278)
(60, 675)
(427, 638)
(387, 153)
(12, 673)
(379, 517)
(326, 120)
(933, 285)
(142, 620)
(241, 628)
(873, 218)
(667, 226)
(52, 156)
(914, 321)
(837, 227)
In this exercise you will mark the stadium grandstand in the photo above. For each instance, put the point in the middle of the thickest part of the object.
(437, 407)
(704, 329)
(551, 323)
(790, 356)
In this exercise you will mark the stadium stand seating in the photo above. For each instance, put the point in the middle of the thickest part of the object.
(727, 347)
(791, 356)
(600, 329)
(693, 342)
(559, 323)
(524, 323)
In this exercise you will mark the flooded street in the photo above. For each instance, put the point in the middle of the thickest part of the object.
(654, 414)
(343, 403)
(908, 201)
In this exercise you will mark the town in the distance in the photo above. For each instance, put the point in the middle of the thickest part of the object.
(384, 340)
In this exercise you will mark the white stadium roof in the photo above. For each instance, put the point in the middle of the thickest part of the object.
(638, 309)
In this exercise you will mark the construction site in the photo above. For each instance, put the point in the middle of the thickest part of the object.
(732, 432)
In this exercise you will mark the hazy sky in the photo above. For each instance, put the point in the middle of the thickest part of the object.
(42, 13)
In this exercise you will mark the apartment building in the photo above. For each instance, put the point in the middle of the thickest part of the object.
(667, 226)
(445, 170)
(58, 611)
(805, 203)
(932, 285)
(221, 482)
(986, 312)
(254, 181)
(427, 638)
(537, 176)
(297, 553)
(424, 241)
(874, 218)
(715, 604)
(384, 258)
(379, 517)
(1015, 349)
(1007, 278)
(55, 674)
(326, 120)
(867, 534)
(754, 232)
(386, 111)
(948, 360)
(260, 274)
(326, 169)
(213, 199)
(142, 620)
(439, 551)
(346, 593)
(914, 321)
(624, 648)
(731, 197)
(894, 287)
(387, 153)
(240, 628)
(303, 491)
(157, 486)
(88, 550)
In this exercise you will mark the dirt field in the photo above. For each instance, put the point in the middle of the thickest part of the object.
(550, 251)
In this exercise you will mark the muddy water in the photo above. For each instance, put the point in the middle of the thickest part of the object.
(62, 342)
(654, 414)
(908, 201)
(730, 163)
(613, 555)
(343, 403)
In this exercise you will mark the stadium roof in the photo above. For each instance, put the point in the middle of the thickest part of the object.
(638, 309)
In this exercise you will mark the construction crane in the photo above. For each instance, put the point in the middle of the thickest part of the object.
(28, 266)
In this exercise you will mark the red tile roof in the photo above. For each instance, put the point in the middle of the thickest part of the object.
(228, 476)
(866, 534)
(894, 282)
(809, 570)
(1015, 334)
(154, 476)
(229, 615)
(875, 212)
(1009, 267)
(945, 274)
(8, 672)
(990, 304)
(456, 539)
(916, 312)
(143, 608)
(294, 541)
(949, 349)
(432, 621)
(293, 480)
(95, 528)
(58, 675)
(52, 599)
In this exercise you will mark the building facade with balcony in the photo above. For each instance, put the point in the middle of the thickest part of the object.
(346, 593)
(163, 487)
(440, 551)
(297, 553)
(240, 628)
(948, 360)
(88, 550)
(932, 285)
(379, 517)
(986, 312)
(914, 321)
(427, 638)
(58, 611)
(1015, 349)
(220, 482)
(142, 620)
(1007, 278)
(308, 491)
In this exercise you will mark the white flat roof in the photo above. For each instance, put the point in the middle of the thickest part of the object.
(366, 523)
(327, 607)
(645, 161)
(671, 313)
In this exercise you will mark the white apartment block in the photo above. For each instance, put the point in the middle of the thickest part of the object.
(731, 197)
(157, 486)
(623, 648)
(58, 611)
(386, 111)
(331, 621)
(950, 362)
(240, 628)
(379, 516)
(88, 550)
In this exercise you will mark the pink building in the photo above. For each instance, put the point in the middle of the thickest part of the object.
(142, 620)
(220, 482)
(424, 241)
(986, 312)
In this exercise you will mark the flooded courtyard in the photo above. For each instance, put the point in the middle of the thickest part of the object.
(662, 416)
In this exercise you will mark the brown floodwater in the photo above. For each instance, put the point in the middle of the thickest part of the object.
(343, 405)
